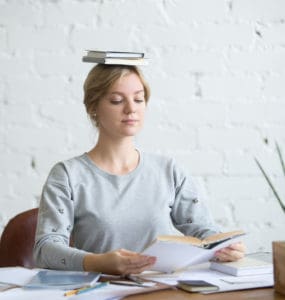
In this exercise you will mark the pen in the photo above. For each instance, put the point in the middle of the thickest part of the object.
(133, 278)
(73, 292)
(127, 283)
(85, 289)
(97, 286)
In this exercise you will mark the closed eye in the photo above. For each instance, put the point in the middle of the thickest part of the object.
(116, 102)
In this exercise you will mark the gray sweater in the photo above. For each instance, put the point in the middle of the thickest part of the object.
(104, 212)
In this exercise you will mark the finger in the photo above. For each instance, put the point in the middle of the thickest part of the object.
(137, 264)
(227, 254)
(127, 252)
(136, 269)
(136, 258)
(139, 260)
(238, 246)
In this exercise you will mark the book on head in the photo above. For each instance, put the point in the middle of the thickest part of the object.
(243, 267)
(178, 252)
(114, 54)
(57, 279)
(115, 58)
(116, 61)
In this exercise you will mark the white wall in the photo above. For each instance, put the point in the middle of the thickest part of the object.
(217, 73)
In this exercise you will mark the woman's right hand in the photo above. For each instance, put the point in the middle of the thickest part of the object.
(118, 262)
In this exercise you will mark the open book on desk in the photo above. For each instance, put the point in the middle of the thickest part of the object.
(178, 252)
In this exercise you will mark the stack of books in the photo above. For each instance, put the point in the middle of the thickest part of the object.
(243, 267)
(115, 57)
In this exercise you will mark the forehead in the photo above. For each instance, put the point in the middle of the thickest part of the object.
(128, 83)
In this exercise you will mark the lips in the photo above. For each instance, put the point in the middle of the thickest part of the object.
(129, 121)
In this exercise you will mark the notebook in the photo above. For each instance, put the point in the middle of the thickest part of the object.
(62, 279)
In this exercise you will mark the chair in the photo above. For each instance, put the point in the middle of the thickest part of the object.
(17, 240)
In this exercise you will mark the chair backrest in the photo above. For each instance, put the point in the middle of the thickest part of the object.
(17, 240)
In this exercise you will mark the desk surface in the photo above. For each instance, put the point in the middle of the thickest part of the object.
(258, 294)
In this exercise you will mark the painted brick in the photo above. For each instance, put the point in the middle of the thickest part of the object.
(82, 38)
(246, 114)
(209, 36)
(70, 12)
(229, 139)
(197, 62)
(111, 13)
(24, 115)
(243, 164)
(41, 89)
(274, 87)
(273, 34)
(275, 113)
(200, 163)
(20, 13)
(10, 66)
(190, 10)
(47, 64)
(258, 9)
(238, 189)
(3, 39)
(229, 88)
(44, 39)
(257, 61)
(170, 88)
(35, 138)
(191, 113)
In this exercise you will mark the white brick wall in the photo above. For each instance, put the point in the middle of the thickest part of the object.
(217, 74)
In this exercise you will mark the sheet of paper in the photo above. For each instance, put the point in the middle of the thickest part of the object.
(182, 254)
(21, 276)
(223, 281)
(108, 292)
(22, 294)
(16, 275)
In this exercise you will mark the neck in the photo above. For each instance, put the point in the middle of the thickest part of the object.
(115, 156)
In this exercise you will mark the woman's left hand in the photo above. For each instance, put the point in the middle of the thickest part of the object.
(231, 253)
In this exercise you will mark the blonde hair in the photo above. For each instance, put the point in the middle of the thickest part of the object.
(99, 81)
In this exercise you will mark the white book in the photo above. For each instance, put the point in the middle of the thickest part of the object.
(114, 54)
(178, 252)
(116, 61)
(243, 267)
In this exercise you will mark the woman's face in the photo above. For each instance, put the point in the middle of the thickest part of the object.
(120, 113)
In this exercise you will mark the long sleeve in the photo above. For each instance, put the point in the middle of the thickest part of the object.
(55, 224)
(189, 213)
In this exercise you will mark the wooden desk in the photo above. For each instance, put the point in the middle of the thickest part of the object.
(256, 294)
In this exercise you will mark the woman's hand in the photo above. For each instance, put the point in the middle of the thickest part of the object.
(119, 262)
(231, 253)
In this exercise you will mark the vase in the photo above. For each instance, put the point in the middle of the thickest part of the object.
(279, 266)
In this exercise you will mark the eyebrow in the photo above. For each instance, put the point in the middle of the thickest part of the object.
(119, 93)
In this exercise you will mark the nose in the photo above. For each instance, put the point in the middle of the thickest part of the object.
(129, 107)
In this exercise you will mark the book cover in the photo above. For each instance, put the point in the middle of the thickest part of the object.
(196, 285)
(243, 267)
(116, 61)
(62, 279)
(178, 252)
(114, 54)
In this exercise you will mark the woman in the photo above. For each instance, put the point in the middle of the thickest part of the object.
(116, 197)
